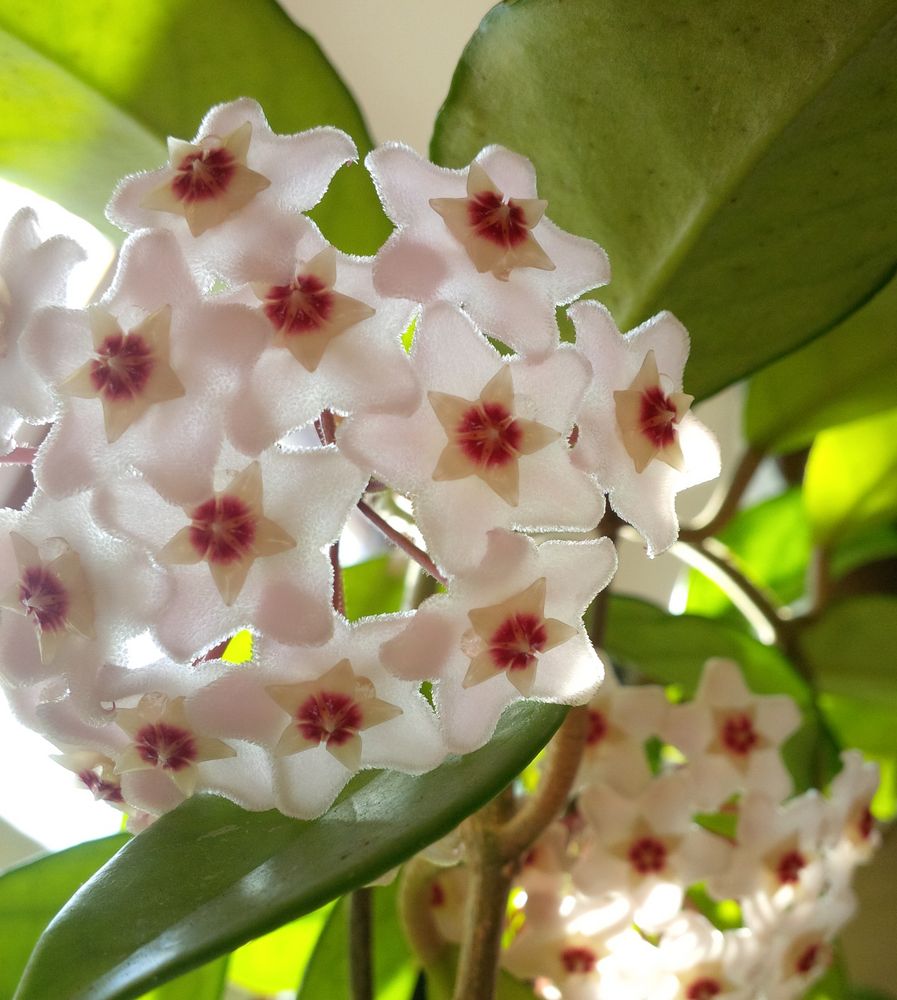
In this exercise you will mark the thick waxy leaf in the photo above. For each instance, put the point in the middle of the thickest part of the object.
(851, 478)
(90, 89)
(210, 876)
(851, 648)
(373, 587)
(845, 375)
(395, 969)
(32, 894)
(734, 160)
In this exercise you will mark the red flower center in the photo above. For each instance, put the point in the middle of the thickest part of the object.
(597, 727)
(865, 823)
(739, 735)
(329, 717)
(222, 529)
(514, 644)
(165, 746)
(302, 306)
(122, 367)
(648, 855)
(44, 598)
(579, 960)
(437, 894)
(790, 865)
(502, 223)
(657, 417)
(705, 988)
(489, 435)
(811, 957)
(203, 174)
(103, 791)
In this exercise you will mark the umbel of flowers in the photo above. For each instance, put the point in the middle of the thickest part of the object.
(174, 503)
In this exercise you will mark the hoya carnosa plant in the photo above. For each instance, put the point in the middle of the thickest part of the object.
(241, 389)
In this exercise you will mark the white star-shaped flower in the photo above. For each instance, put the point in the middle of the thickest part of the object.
(479, 238)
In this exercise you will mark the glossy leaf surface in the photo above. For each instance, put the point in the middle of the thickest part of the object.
(209, 876)
(734, 160)
(90, 89)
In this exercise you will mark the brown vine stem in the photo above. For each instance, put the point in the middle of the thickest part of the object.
(361, 944)
(741, 479)
(19, 456)
(402, 541)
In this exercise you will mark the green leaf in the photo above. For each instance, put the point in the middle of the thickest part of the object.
(845, 375)
(274, 963)
(205, 983)
(736, 161)
(209, 875)
(32, 894)
(395, 969)
(851, 478)
(90, 89)
(374, 587)
(770, 544)
(851, 648)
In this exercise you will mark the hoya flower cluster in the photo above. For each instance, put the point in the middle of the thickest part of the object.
(680, 871)
(173, 502)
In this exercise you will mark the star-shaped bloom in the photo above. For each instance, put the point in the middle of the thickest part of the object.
(229, 531)
(52, 593)
(236, 561)
(163, 738)
(513, 625)
(167, 363)
(319, 306)
(636, 437)
(32, 275)
(647, 848)
(331, 712)
(850, 826)
(709, 964)
(96, 772)
(732, 737)
(487, 446)
(130, 370)
(479, 238)
(234, 188)
(323, 712)
(621, 719)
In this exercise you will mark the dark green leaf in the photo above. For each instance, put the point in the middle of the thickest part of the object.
(845, 375)
(851, 478)
(209, 876)
(395, 970)
(878, 542)
(735, 160)
(32, 894)
(374, 587)
(90, 89)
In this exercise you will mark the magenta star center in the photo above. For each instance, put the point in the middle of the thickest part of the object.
(648, 855)
(657, 417)
(579, 960)
(515, 643)
(813, 955)
(789, 867)
(302, 306)
(122, 367)
(437, 894)
(165, 746)
(597, 727)
(329, 717)
(865, 823)
(705, 988)
(502, 223)
(103, 791)
(489, 435)
(203, 174)
(223, 529)
(738, 735)
(44, 598)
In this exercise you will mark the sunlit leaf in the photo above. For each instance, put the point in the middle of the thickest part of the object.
(735, 160)
(239, 649)
(843, 376)
(394, 968)
(205, 983)
(374, 587)
(32, 894)
(851, 478)
(90, 89)
(209, 875)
